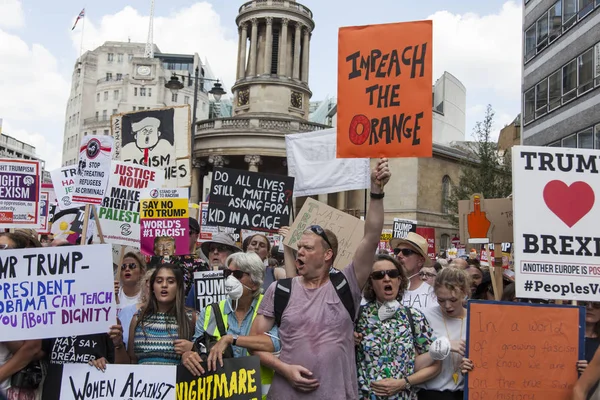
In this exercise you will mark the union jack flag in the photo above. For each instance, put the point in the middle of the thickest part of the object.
(81, 15)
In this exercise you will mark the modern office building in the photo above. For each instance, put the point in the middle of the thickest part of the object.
(561, 73)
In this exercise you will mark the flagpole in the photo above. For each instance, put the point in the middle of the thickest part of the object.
(81, 42)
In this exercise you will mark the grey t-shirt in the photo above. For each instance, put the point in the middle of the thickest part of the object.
(316, 332)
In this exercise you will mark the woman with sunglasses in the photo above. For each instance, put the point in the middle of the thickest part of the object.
(130, 275)
(393, 337)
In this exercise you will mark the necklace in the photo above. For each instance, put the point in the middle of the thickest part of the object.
(455, 364)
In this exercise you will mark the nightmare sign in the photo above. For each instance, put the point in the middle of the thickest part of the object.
(250, 200)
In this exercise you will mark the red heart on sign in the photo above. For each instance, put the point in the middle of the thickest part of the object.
(569, 203)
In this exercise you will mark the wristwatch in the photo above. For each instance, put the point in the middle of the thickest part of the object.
(408, 386)
(235, 338)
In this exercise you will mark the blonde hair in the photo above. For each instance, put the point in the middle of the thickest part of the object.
(453, 279)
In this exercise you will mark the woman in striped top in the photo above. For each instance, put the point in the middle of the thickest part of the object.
(162, 330)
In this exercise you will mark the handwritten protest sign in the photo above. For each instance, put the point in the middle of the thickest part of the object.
(19, 193)
(556, 246)
(63, 180)
(93, 169)
(238, 379)
(164, 222)
(485, 218)
(348, 229)
(119, 213)
(52, 290)
(523, 351)
(210, 288)
(250, 200)
(158, 138)
(384, 90)
(402, 227)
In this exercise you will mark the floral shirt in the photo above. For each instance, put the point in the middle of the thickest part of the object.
(388, 345)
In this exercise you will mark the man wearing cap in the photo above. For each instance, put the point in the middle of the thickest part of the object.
(147, 141)
(217, 250)
(412, 254)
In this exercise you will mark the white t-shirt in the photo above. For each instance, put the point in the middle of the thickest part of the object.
(125, 300)
(457, 328)
(5, 355)
(421, 298)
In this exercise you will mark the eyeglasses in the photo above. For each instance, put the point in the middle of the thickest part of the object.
(405, 252)
(591, 304)
(237, 274)
(131, 266)
(378, 275)
(319, 231)
(427, 275)
(219, 247)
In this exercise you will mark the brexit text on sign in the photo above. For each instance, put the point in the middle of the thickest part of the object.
(384, 90)
(556, 243)
(19, 193)
(250, 200)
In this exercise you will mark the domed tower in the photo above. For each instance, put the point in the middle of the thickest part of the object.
(270, 96)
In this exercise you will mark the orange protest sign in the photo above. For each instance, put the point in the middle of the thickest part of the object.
(523, 351)
(384, 90)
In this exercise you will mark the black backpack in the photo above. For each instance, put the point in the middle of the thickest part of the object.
(283, 291)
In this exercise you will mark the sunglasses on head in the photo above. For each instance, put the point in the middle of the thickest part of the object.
(131, 266)
(321, 232)
(378, 275)
(237, 274)
(405, 252)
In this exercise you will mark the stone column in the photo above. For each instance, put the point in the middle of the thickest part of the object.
(322, 198)
(242, 54)
(305, 53)
(218, 161)
(195, 194)
(296, 73)
(253, 48)
(341, 201)
(253, 162)
(268, 46)
(283, 47)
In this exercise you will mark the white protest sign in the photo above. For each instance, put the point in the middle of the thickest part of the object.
(54, 291)
(210, 288)
(556, 243)
(402, 227)
(118, 382)
(93, 169)
(19, 193)
(119, 213)
(63, 180)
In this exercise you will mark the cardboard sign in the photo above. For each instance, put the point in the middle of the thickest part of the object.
(238, 379)
(348, 229)
(429, 234)
(49, 291)
(523, 351)
(158, 138)
(495, 214)
(384, 90)
(63, 181)
(93, 169)
(556, 246)
(164, 229)
(250, 200)
(19, 193)
(119, 213)
(402, 227)
(210, 288)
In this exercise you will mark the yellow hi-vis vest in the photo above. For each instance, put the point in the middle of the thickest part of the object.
(266, 374)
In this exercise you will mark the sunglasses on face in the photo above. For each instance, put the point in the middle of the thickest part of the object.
(131, 266)
(219, 247)
(378, 275)
(427, 275)
(237, 274)
(405, 252)
(319, 231)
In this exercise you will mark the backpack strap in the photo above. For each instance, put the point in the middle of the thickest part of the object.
(411, 322)
(219, 319)
(283, 291)
(342, 288)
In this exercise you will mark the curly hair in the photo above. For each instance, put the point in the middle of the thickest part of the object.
(453, 279)
(369, 292)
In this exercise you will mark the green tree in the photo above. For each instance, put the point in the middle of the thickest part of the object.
(487, 172)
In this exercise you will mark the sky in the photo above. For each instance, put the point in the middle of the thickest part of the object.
(479, 42)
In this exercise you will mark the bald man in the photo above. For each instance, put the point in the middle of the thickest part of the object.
(459, 263)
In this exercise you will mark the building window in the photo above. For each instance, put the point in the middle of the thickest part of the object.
(586, 71)
(97, 115)
(133, 108)
(109, 76)
(529, 106)
(120, 57)
(597, 135)
(444, 242)
(542, 32)
(585, 139)
(106, 132)
(555, 21)
(111, 57)
(149, 92)
(97, 97)
(186, 99)
(569, 13)
(585, 7)
(569, 73)
(143, 91)
(119, 77)
(570, 141)
(541, 98)
(114, 111)
(445, 194)
(115, 95)
(130, 56)
(174, 97)
(104, 115)
(94, 132)
(554, 90)
(135, 91)
(105, 95)
(530, 45)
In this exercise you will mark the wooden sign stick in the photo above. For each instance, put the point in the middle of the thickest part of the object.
(86, 219)
(494, 283)
(98, 226)
(498, 271)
